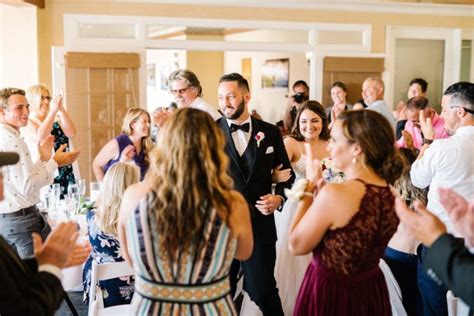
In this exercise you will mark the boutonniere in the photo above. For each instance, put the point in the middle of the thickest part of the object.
(259, 137)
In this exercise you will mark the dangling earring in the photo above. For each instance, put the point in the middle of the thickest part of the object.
(354, 160)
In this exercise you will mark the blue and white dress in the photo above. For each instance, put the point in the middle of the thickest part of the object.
(106, 248)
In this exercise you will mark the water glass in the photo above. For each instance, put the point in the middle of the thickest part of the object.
(56, 191)
(81, 183)
(94, 190)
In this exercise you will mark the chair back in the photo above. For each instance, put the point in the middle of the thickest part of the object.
(104, 271)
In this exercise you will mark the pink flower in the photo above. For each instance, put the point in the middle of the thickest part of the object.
(259, 137)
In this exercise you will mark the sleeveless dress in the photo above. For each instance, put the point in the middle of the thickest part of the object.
(194, 284)
(290, 269)
(344, 277)
(123, 141)
(66, 173)
(105, 248)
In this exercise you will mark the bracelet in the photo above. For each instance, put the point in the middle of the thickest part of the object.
(427, 141)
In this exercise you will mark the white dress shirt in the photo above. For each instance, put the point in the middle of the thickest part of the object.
(22, 181)
(200, 104)
(241, 138)
(447, 163)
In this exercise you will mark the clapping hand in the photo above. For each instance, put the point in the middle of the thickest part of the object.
(314, 173)
(64, 158)
(79, 254)
(58, 247)
(425, 226)
(426, 126)
(127, 154)
(45, 148)
(460, 211)
(408, 138)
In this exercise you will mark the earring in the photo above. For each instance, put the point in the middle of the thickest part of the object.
(354, 160)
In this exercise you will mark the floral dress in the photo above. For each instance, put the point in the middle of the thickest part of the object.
(106, 248)
(66, 174)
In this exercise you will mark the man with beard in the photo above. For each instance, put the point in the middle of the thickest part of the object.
(255, 148)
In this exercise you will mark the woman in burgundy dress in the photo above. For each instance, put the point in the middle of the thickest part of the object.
(347, 226)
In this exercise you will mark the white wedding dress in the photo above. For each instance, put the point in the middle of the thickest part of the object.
(290, 269)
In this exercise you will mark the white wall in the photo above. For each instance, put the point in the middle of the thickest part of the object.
(165, 61)
(419, 59)
(269, 103)
(18, 46)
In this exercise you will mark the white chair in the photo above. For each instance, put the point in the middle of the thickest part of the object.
(393, 290)
(456, 307)
(106, 271)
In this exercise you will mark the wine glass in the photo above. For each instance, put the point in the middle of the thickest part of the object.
(56, 192)
(74, 195)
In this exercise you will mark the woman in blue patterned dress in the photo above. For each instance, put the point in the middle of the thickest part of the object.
(183, 225)
(102, 229)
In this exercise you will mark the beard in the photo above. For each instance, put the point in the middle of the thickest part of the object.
(237, 113)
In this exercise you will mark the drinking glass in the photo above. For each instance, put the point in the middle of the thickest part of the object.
(94, 190)
(82, 186)
(56, 190)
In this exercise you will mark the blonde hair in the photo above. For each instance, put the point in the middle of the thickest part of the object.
(132, 115)
(33, 95)
(116, 180)
(188, 174)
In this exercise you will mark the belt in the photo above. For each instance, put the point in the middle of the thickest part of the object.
(23, 212)
(182, 293)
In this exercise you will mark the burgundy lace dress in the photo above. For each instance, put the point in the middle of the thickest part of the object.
(343, 277)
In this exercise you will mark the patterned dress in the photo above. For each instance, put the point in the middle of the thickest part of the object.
(343, 277)
(66, 174)
(194, 284)
(106, 248)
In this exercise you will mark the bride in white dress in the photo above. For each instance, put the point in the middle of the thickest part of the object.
(310, 128)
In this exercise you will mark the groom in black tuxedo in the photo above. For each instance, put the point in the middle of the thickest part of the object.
(255, 148)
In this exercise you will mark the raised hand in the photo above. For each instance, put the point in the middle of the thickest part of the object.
(425, 226)
(460, 211)
(408, 138)
(79, 254)
(280, 175)
(127, 154)
(426, 126)
(56, 104)
(314, 173)
(64, 158)
(58, 248)
(45, 148)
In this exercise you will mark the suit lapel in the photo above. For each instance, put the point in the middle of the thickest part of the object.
(230, 146)
(255, 150)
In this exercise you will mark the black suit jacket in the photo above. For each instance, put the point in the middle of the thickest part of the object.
(266, 156)
(24, 290)
(453, 264)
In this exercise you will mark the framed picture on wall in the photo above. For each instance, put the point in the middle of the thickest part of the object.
(275, 73)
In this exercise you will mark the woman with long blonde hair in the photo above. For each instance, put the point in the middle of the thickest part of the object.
(184, 224)
(102, 222)
(133, 145)
(48, 116)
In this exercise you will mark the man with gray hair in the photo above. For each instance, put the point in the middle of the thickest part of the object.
(187, 90)
(445, 163)
(373, 92)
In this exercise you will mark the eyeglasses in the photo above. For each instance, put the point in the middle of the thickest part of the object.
(45, 97)
(180, 91)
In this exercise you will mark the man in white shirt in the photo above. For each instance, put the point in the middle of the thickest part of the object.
(446, 163)
(33, 286)
(187, 90)
(19, 216)
(373, 91)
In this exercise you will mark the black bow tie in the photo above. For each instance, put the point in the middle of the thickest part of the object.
(244, 127)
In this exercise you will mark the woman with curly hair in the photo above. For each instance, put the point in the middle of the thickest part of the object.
(183, 225)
